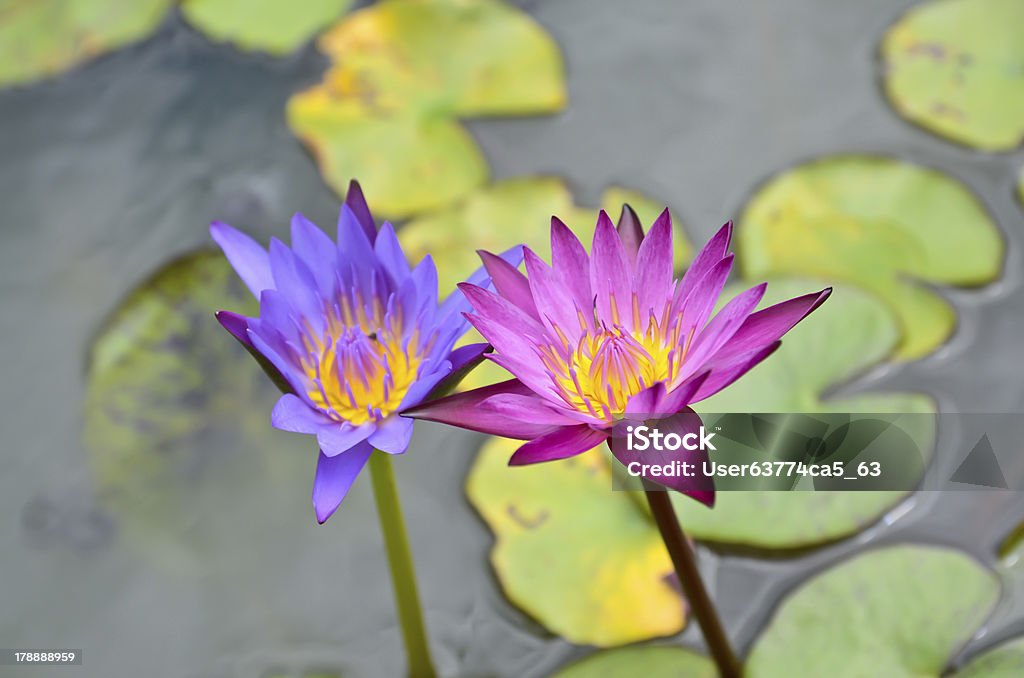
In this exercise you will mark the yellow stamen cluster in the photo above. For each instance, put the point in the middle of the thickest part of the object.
(600, 371)
(361, 368)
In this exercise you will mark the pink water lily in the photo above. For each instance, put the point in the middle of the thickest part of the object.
(595, 340)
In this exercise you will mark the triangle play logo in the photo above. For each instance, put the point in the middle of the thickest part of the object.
(981, 467)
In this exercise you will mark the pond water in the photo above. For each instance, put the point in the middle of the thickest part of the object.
(116, 168)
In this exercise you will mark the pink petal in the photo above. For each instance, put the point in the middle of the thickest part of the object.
(724, 374)
(570, 258)
(466, 410)
(654, 273)
(713, 252)
(696, 485)
(561, 443)
(630, 231)
(509, 282)
(611, 274)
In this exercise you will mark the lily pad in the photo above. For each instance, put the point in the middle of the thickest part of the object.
(404, 71)
(847, 335)
(40, 38)
(899, 611)
(270, 26)
(650, 662)
(584, 561)
(956, 68)
(508, 213)
(163, 378)
(1003, 661)
(887, 226)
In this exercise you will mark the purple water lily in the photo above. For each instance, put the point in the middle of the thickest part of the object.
(351, 334)
(595, 340)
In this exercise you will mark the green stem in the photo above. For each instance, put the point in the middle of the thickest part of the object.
(403, 577)
(685, 563)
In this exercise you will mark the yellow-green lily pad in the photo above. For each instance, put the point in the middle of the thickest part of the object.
(850, 333)
(270, 26)
(900, 612)
(40, 38)
(169, 396)
(584, 561)
(508, 213)
(1005, 660)
(890, 227)
(956, 68)
(403, 73)
(649, 662)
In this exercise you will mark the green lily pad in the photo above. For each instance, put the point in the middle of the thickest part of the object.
(887, 226)
(956, 68)
(899, 611)
(404, 71)
(650, 662)
(40, 38)
(268, 26)
(1003, 661)
(849, 334)
(582, 560)
(175, 452)
(503, 215)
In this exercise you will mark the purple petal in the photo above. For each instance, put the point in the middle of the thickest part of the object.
(237, 325)
(389, 253)
(631, 232)
(291, 413)
(355, 249)
(250, 261)
(654, 266)
(336, 438)
(296, 283)
(425, 385)
(509, 282)
(462, 360)
(355, 201)
(317, 251)
(334, 477)
(561, 443)
(392, 434)
(713, 252)
(610, 273)
(685, 423)
(465, 411)
(569, 257)
(724, 375)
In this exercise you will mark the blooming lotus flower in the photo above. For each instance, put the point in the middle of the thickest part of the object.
(351, 334)
(600, 339)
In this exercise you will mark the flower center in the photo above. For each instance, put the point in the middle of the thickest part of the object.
(362, 368)
(600, 373)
